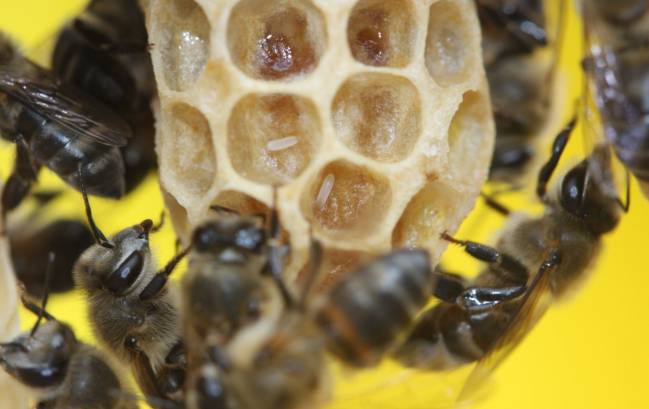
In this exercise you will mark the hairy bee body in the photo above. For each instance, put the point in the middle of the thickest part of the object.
(63, 372)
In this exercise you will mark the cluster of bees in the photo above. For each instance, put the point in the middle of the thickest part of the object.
(235, 335)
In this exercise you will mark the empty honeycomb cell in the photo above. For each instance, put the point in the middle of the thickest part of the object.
(378, 115)
(428, 214)
(183, 36)
(450, 56)
(177, 212)
(276, 40)
(347, 199)
(272, 137)
(189, 153)
(381, 33)
(468, 134)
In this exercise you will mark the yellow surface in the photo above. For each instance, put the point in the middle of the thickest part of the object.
(590, 352)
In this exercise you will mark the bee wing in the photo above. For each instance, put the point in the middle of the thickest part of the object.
(68, 107)
(532, 307)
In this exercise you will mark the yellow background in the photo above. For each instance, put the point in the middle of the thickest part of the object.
(590, 352)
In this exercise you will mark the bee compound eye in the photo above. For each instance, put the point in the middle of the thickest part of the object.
(573, 189)
(123, 277)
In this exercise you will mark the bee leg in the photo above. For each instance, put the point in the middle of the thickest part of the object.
(224, 209)
(21, 179)
(448, 286)
(494, 204)
(276, 254)
(478, 299)
(159, 281)
(142, 368)
(558, 146)
(100, 238)
(514, 270)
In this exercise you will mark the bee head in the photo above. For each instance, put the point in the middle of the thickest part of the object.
(241, 235)
(586, 192)
(40, 361)
(116, 269)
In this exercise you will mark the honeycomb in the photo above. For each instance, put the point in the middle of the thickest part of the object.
(372, 118)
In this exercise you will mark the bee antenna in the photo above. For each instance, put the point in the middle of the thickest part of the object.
(96, 233)
(46, 293)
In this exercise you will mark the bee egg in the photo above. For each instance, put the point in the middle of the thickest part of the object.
(371, 116)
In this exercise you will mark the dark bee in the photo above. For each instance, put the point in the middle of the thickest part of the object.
(67, 238)
(513, 33)
(104, 52)
(56, 126)
(132, 309)
(617, 58)
(227, 286)
(485, 318)
(358, 321)
(59, 369)
(33, 235)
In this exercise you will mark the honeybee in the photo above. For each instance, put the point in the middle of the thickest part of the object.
(227, 286)
(61, 371)
(536, 260)
(104, 52)
(56, 126)
(132, 309)
(358, 321)
(514, 34)
(617, 57)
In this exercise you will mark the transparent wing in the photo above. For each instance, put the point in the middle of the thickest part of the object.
(532, 307)
(68, 107)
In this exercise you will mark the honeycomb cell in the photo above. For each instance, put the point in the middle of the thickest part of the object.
(183, 37)
(240, 202)
(272, 137)
(450, 54)
(347, 200)
(381, 33)
(276, 40)
(189, 153)
(378, 115)
(426, 216)
(467, 134)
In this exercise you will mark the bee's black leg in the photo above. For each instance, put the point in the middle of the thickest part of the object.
(156, 227)
(21, 179)
(515, 270)
(448, 286)
(558, 146)
(478, 299)
(494, 204)
(276, 254)
(159, 281)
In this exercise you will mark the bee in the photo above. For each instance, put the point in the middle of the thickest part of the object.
(485, 318)
(514, 40)
(57, 126)
(104, 52)
(132, 309)
(617, 56)
(227, 287)
(60, 370)
(358, 321)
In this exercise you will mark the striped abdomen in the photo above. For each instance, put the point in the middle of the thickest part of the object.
(366, 314)
(62, 150)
